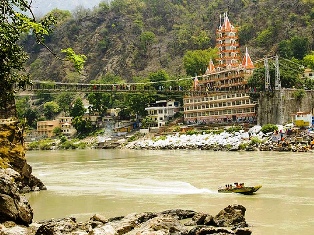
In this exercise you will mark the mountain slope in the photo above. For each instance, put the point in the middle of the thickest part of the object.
(133, 38)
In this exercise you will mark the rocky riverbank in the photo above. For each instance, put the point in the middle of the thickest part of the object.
(12, 156)
(225, 141)
(15, 175)
(230, 220)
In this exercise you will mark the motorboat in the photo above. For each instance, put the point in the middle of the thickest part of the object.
(239, 188)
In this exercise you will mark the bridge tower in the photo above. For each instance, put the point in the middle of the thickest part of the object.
(267, 76)
(277, 74)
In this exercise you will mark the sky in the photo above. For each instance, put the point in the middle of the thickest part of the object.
(42, 7)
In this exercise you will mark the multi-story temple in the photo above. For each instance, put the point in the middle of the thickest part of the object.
(223, 90)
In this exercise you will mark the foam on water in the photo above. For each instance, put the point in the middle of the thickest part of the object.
(150, 186)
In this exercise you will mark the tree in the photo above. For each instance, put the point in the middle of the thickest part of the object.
(16, 20)
(100, 102)
(77, 109)
(64, 101)
(146, 38)
(31, 115)
(196, 62)
(158, 78)
(51, 109)
(309, 60)
(57, 131)
(138, 102)
(299, 47)
(82, 126)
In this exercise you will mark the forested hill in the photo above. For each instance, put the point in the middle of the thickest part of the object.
(133, 38)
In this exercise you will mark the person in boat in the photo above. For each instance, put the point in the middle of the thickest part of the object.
(237, 185)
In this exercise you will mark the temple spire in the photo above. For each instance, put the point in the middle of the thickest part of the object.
(247, 62)
(211, 67)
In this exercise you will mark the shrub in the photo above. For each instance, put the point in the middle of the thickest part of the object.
(234, 129)
(269, 128)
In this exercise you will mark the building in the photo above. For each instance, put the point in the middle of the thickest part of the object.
(66, 126)
(45, 128)
(162, 111)
(308, 73)
(224, 92)
(302, 119)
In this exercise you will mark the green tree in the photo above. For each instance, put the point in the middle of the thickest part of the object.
(265, 37)
(138, 102)
(297, 47)
(148, 122)
(100, 102)
(146, 39)
(300, 47)
(57, 131)
(77, 110)
(284, 49)
(196, 62)
(17, 20)
(32, 115)
(257, 81)
(309, 60)
(64, 101)
(22, 104)
(82, 126)
(158, 79)
(51, 109)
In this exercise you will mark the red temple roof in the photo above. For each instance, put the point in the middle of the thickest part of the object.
(247, 62)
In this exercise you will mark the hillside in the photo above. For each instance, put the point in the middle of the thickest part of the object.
(132, 38)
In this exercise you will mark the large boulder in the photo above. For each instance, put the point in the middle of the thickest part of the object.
(13, 206)
(12, 155)
(231, 216)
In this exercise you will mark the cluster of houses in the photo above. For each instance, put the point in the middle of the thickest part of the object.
(159, 112)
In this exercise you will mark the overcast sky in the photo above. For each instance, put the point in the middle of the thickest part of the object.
(41, 7)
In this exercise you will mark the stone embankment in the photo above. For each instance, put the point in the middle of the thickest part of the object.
(229, 221)
(225, 141)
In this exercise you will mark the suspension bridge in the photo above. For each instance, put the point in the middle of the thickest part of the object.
(169, 86)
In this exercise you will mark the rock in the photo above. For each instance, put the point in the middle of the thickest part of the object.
(169, 222)
(107, 230)
(57, 226)
(200, 230)
(13, 206)
(231, 216)
(243, 231)
(163, 224)
(12, 155)
(181, 214)
(99, 218)
(201, 219)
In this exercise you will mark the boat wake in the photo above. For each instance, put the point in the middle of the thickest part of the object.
(150, 186)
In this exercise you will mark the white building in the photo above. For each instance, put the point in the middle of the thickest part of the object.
(162, 111)
(308, 73)
(302, 119)
(66, 125)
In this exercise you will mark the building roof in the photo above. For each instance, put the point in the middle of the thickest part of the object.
(226, 26)
(247, 62)
(211, 67)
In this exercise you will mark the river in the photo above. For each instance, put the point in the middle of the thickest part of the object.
(115, 182)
